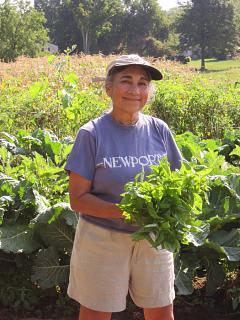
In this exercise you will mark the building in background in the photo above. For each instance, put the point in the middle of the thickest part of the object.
(51, 48)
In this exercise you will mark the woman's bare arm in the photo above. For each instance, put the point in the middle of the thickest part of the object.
(82, 200)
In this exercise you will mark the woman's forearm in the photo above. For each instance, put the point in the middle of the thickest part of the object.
(94, 206)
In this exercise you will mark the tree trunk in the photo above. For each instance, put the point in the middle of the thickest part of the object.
(86, 42)
(203, 68)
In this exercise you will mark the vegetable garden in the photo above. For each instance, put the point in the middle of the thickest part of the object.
(194, 212)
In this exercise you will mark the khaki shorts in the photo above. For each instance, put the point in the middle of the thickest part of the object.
(106, 264)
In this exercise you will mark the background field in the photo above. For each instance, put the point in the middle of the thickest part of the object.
(61, 93)
(225, 71)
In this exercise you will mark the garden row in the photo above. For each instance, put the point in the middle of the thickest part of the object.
(37, 225)
(43, 102)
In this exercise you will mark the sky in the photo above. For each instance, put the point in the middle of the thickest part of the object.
(167, 4)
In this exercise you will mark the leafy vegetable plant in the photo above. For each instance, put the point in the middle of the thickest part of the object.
(167, 205)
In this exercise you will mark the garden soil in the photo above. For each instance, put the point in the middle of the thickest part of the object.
(185, 312)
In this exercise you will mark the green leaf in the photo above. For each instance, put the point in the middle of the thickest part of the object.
(183, 282)
(5, 203)
(6, 200)
(151, 210)
(235, 303)
(57, 234)
(139, 235)
(64, 210)
(66, 98)
(1, 215)
(226, 238)
(226, 205)
(30, 140)
(29, 197)
(225, 149)
(170, 243)
(17, 238)
(198, 237)
(51, 59)
(10, 137)
(8, 181)
(215, 277)
(71, 78)
(61, 210)
(41, 203)
(47, 271)
(236, 151)
(233, 253)
(52, 146)
(215, 247)
(37, 88)
(11, 147)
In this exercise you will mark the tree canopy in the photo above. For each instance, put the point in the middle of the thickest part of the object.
(116, 26)
(208, 25)
(108, 26)
(22, 30)
(94, 19)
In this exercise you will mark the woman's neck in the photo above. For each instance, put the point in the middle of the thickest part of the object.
(125, 118)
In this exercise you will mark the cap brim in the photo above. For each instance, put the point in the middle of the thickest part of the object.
(154, 73)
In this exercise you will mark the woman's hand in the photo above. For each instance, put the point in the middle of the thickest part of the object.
(83, 201)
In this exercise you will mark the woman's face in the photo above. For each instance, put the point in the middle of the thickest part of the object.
(129, 89)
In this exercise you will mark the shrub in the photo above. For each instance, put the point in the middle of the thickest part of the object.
(197, 106)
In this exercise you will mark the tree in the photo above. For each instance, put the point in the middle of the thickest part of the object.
(143, 20)
(22, 30)
(209, 25)
(94, 19)
(60, 22)
(109, 26)
(173, 37)
(50, 8)
(236, 5)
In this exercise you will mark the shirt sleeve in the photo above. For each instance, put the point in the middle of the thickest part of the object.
(81, 159)
(173, 153)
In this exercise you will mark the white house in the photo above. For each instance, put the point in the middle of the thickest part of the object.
(50, 47)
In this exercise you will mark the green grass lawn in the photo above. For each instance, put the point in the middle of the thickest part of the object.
(227, 71)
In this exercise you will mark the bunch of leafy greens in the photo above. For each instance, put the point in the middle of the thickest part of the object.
(167, 205)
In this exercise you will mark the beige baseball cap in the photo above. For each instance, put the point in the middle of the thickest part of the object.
(134, 59)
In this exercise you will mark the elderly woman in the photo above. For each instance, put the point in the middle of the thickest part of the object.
(108, 152)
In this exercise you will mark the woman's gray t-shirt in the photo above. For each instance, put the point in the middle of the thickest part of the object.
(111, 154)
